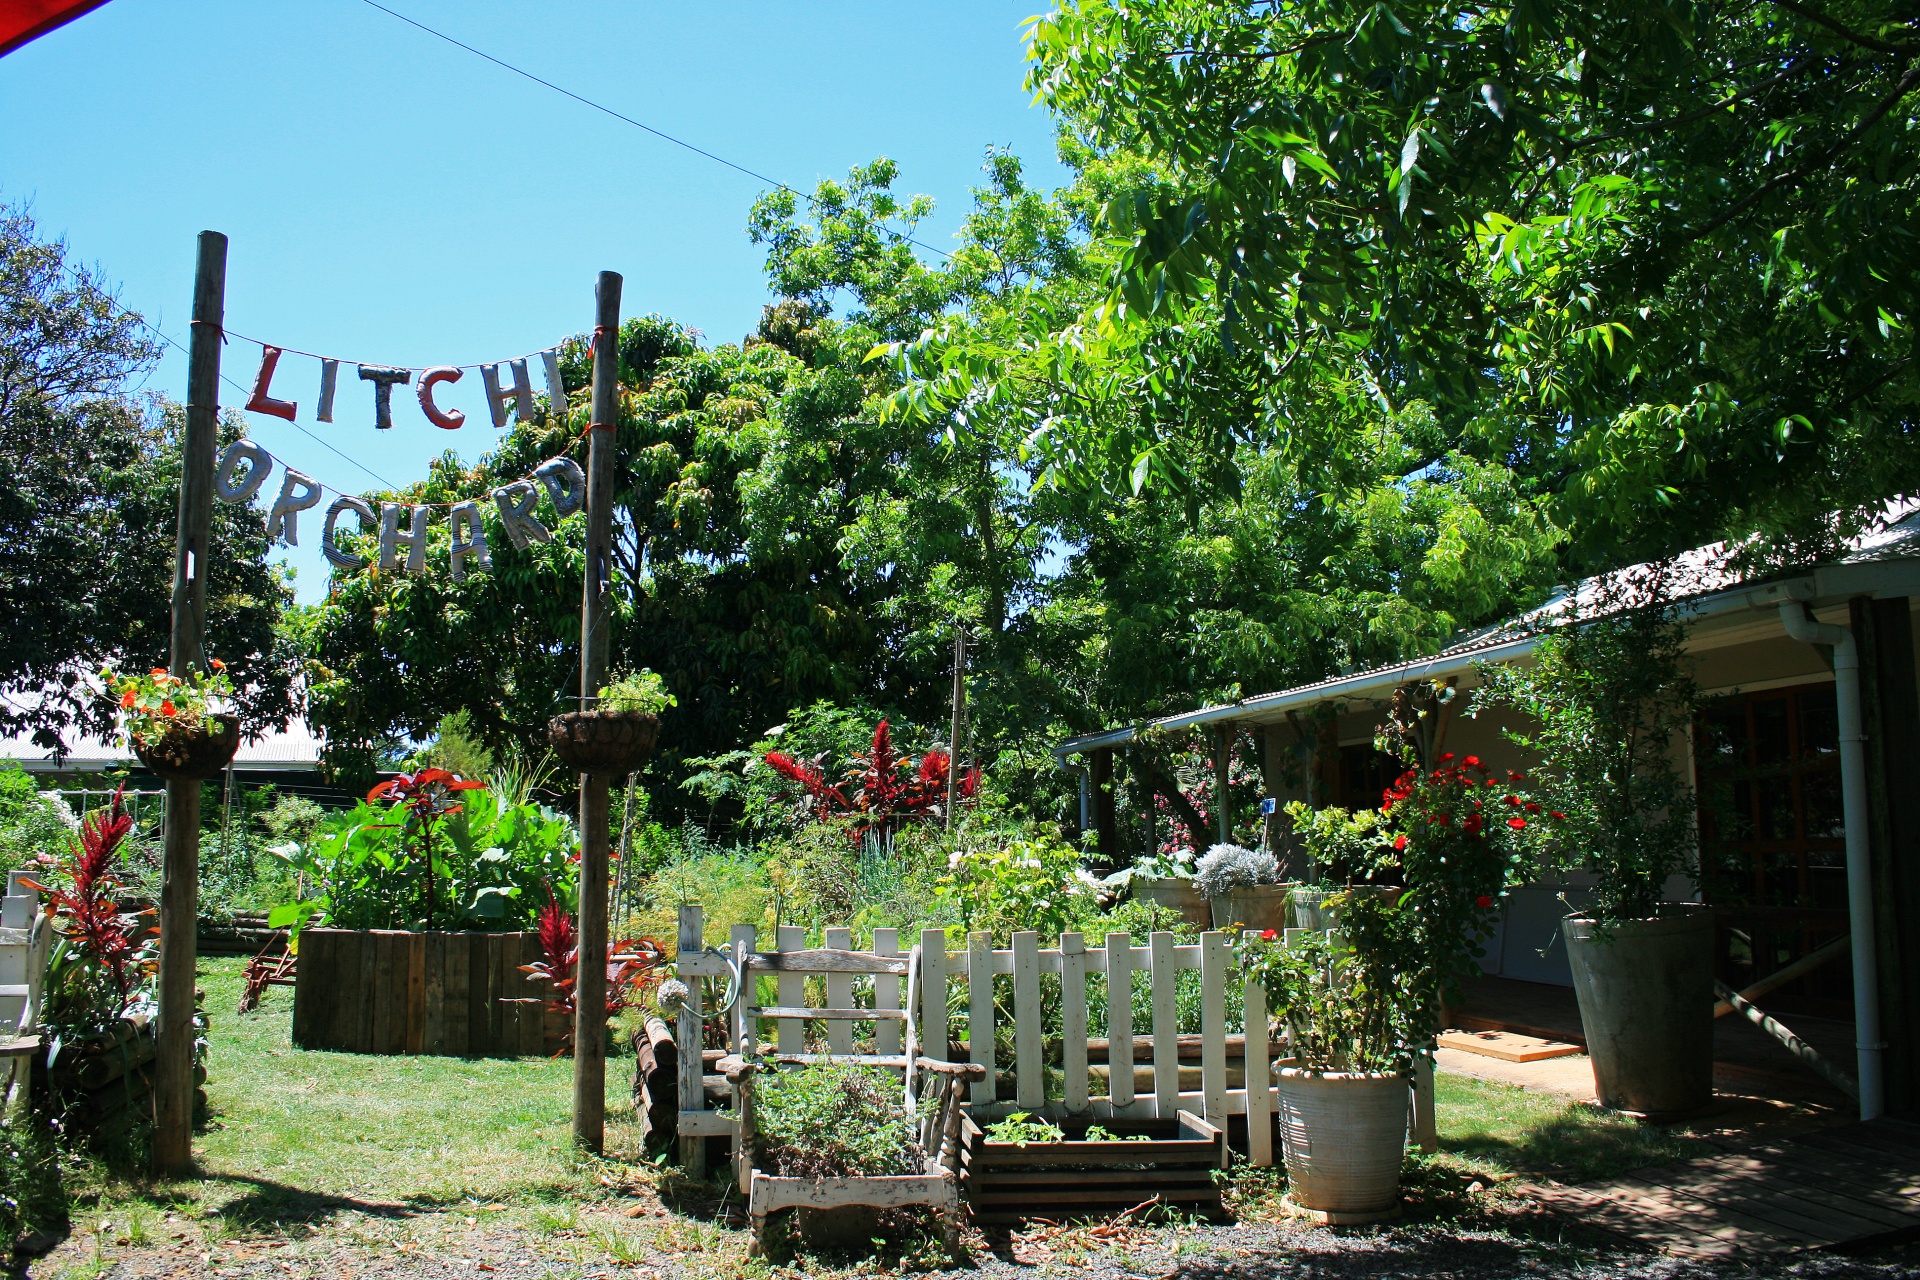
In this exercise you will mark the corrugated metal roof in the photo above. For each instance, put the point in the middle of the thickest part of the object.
(295, 748)
(1701, 577)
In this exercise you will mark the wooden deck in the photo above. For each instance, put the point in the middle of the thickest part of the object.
(1845, 1187)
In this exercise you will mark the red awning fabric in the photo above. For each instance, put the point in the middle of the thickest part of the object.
(24, 20)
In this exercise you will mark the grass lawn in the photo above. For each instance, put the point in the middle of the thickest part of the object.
(329, 1163)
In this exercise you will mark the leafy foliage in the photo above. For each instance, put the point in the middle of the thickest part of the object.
(30, 824)
(491, 862)
(155, 705)
(642, 691)
(1611, 697)
(883, 791)
(829, 1120)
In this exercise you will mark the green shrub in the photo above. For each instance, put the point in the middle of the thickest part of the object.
(830, 1120)
(30, 824)
(642, 691)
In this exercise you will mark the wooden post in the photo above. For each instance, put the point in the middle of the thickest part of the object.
(590, 975)
(1223, 799)
(180, 865)
(1107, 847)
(959, 711)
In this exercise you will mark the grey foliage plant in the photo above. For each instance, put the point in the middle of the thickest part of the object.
(1226, 867)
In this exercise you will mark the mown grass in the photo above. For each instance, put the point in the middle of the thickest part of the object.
(1540, 1135)
(295, 1134)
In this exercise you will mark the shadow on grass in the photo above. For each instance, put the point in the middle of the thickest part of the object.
(1577, 1144)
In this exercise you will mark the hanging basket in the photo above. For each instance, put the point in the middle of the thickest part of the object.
(607, 743)
(183, 755)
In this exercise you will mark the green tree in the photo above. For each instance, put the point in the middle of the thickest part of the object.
(1652, 256)
(87, 513)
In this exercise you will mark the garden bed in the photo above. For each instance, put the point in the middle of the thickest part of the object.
(447, 994)
(1173, 1161)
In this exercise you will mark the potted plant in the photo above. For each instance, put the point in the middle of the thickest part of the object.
(1165, 881)
(1611, 700)
(181, 727)
(616, 736)
(1361, 1003)
(1239, 886)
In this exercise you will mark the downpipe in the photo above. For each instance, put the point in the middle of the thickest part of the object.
(1800, 626)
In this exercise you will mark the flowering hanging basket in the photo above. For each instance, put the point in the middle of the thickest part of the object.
(184, 753)
(609, 743)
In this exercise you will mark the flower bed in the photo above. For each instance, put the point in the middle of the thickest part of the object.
(1122, 1164)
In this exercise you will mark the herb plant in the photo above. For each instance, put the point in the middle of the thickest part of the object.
(1226, 867)
(643, 691)
(1023, 1127)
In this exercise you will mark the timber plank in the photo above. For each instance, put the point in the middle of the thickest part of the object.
(479, 1028)
(434, 1019)
(532, 1033)
(1786, 1179)
(1764, 1200)
(364, 990)
(310, 990)
(390, 992)
(498, 1011)
(1777, 1232)
(415, 1030)
(458, 1010)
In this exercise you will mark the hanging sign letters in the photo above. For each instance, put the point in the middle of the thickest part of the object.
(244, 466)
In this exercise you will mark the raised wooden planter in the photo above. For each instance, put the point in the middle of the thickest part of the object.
(1006, 1182)
(451, 994)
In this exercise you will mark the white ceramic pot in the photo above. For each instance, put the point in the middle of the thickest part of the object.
(1343, 1135)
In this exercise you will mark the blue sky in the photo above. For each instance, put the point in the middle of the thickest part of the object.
(393, 199)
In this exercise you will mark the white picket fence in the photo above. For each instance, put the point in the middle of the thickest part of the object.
(934, 969)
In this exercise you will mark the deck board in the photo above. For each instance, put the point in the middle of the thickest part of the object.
(1823, 1190)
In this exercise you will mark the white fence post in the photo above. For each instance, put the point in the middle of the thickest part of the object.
(980, 1013)
(1166, 1026)
(1259, 1071)
(1029, 1072)
(933, 994)
(1073, 1020)
(1120, 1019)
(792, 988)
(693, 1085)
(886, 992)
(1213, 1027)
(839, 992)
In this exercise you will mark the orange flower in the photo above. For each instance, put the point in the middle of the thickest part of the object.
(216, 664)
(166, 707)
(126, 700)
(159, 671)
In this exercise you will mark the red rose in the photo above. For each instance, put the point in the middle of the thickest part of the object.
(1532, 808)
(1445, 756)
(1472, 762)
(1556, 814)
(1472, 824)
(1268, 935)
(1516, 823)
(1514, 801)
(166, 707)
(1483, 902)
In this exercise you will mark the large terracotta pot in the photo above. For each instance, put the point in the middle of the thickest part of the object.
(607, 743)
(1342, 1135)
(1260, 906)
(184, 755)
(1173, 893)
(1646, 1003)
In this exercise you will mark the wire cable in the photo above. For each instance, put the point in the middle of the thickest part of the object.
(665, 137)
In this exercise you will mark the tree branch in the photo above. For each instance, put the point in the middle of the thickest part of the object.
(1840, 28)
(1794, 175)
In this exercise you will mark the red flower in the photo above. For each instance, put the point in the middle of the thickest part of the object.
(126, 700)
(1472, 762)
(1399, 842)
(1514, 801)
(166, 707)
(1483, 902)
(1555, 813)
(1268, 935)
(159, 671)
(1445, 756)
(1516, 823)
(1532, 807)
(1472, 824)
(216, 664)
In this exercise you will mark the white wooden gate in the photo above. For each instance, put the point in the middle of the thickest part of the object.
(1116, 957)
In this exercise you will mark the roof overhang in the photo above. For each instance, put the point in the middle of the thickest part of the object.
(1823, 586)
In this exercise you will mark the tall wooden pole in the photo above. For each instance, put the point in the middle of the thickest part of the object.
(180, 866)
(590, 980)
(959, 712)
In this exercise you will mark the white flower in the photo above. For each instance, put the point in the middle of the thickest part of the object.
(955, 858)
(1031, 864)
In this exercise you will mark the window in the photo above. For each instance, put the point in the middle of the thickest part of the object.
(1773, 839)
(1365, 773)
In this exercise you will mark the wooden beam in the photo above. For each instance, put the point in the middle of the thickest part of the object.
(180, 858)
(1108, 844)
(596, 848)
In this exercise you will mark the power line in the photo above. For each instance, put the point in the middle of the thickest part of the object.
(665, 137)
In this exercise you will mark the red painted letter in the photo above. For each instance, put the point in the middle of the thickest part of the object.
(448, 419)
(261, 401)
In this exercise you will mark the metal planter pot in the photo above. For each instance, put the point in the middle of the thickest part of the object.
(1343, 1136)
(1646, 1002)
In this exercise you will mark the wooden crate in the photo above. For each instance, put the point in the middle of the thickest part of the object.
(391, 991)
(1006, 1182)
